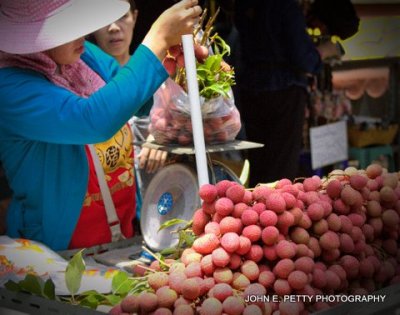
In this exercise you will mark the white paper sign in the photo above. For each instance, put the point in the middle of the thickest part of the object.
(328, 144)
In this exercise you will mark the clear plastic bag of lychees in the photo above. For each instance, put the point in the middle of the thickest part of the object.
(170, 118)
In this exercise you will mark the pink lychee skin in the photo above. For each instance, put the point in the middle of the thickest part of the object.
(224, 206)
(208, 193)
(275, 202)
(235, 193)
(230, 242)
(222, 186)
(249, 217)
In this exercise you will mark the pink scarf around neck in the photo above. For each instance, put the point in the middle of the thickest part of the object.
(77, 77)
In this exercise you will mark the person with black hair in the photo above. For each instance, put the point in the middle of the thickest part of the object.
(276, 58)
(333, 17)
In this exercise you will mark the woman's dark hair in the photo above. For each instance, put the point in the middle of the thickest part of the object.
(339, 16)
(133, 5)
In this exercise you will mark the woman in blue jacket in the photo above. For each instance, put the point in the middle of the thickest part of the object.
(58, 95)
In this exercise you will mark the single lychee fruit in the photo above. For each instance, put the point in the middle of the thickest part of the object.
(211, 306)
(208, 193)
(190, 289)
(250, 269)
(233, 305)
(235, 193)
(249, 217)
(221, 291)
(230, 224)
(200, 219)
(230, 242)
(299, 235)
(255, 253)
(244, 245)
(297, 279)
(305, 264)
(283, 268)
(259, 207)
(183, 310)
(358, 181)
(285, 249)
(252, 232)
(220, 257)
(166, 297)
(282, 287)
(157, 280)
(224, 206)
(148, 301)
(212, 227)
(275, 202)
(266, 278)
(130, 304)
(223, 275)
(268, 218)
(373, 170)
(315, 211)
(329, 240)
(240, 281)
(193, 270)
(206, 243)
(269, 235)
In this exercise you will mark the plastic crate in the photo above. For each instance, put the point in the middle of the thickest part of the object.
(374, 136)
(366, 156)
(35, 305)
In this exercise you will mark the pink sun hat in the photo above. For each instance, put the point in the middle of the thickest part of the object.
(30, 26)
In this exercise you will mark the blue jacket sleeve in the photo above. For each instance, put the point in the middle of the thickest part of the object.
(301, 50)
(33, 108)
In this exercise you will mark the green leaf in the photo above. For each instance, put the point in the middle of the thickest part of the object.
(32, 284)
(139, 287)
(49, 290)
(121, 283)
(91, 301)
(188, 238)
(89, 292)
(74, 273)
(221, 46)
(119, 278)
(12, 286)
(168, 251)
(170, 223)
(113, 299)
(213, 62)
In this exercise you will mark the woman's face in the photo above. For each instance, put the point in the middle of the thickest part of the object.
(68, 53)
(116, 38)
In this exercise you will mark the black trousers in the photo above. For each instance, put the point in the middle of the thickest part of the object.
(274, 118)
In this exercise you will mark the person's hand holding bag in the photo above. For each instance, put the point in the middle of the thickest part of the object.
(168, 29)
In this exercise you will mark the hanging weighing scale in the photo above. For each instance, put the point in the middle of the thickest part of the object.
(172, 192)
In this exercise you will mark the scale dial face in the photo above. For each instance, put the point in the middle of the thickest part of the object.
(172, 193)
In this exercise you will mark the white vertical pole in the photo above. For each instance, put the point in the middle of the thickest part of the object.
(197, 121)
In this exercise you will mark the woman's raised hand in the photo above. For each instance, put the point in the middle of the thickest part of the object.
(168, 29)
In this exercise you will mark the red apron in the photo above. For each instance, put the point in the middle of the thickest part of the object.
(116, 156)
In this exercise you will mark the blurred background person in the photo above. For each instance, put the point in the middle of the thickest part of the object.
(276, 58)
